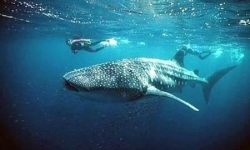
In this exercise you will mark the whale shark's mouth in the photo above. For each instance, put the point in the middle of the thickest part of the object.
(69, 87)
(74, 87)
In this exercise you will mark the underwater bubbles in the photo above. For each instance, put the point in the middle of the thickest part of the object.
(217, 53)
(109, 42)
(235, 52)
(237, 55)
(113, 42)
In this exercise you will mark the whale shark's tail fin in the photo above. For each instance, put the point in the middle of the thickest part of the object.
(212, 79)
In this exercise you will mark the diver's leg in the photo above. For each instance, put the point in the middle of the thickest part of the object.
(100, 48)
(208, 51)
(90, 49)
(97, 42)
(205, 56)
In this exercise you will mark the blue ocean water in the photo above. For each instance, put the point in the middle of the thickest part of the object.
(38, 112)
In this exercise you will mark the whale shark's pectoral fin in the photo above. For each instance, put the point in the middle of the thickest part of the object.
(151, 90)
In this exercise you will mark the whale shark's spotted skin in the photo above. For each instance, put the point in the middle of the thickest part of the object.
(132, 76)
(135, 77)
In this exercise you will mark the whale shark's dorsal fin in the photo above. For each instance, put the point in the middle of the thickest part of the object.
(151, 90)
(196, 71)
(179, 58)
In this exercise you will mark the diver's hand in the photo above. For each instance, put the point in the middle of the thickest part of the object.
(74, 51)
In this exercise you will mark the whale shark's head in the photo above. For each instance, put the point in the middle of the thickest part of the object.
(116, 82)
(97, 77)
(125, 78)
(83, 79)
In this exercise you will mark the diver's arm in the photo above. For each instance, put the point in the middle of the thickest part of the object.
(74, 51)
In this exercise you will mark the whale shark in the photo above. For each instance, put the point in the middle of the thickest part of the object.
(133, 78)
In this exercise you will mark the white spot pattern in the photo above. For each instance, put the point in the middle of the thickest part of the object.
(132, 76)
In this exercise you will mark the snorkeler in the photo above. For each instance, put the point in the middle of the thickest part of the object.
(179, 56)
(84, 44)
(196, 52)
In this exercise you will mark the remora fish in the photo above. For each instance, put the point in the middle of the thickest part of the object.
(136, 77)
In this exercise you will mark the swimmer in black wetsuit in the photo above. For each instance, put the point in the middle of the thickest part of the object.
(179, 56)
(197, 53)
(84, 44)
